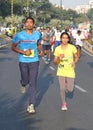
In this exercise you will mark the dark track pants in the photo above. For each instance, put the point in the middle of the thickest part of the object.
(29, 73)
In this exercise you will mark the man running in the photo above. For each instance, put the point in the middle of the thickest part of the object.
(27, 44)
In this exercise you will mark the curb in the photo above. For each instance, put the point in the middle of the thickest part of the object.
(8, 40)
(3, 45)
(88, 47)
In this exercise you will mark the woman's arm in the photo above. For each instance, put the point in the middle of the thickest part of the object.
(56, 60)
(76, 59)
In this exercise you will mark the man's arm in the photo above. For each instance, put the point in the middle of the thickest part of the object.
(39, 46)
(16, 49)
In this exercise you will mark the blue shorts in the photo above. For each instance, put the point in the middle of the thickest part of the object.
(46, 47)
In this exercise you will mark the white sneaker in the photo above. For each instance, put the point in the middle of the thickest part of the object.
(46, 62)
(31, 109)
(23, 89)
(44, 58)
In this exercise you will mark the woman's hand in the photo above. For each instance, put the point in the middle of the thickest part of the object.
(73, 64)
(56, 60)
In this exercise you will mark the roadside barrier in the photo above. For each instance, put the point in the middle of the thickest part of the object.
(88, 47)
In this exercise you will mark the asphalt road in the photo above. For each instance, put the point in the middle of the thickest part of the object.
(13, 104)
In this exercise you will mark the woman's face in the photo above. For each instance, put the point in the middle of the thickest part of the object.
(65, 39)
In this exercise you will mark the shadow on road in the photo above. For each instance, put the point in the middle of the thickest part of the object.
(13, 105)
(75, 129)
(13, 116)
(90, 64)
(44, 82)
(70, 94)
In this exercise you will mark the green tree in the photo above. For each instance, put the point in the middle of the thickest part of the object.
(90, 14)
(81, 18)
(43, 11)
(4, 8)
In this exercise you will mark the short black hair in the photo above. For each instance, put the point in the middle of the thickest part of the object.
(48, 27)
(30, 18)
(79, 31)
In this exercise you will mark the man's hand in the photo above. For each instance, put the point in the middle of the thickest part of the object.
(40, 53)
(27, 52)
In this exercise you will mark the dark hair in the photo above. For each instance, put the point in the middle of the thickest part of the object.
(30, 18)
(78, 31)
(48, 27)
(65, 33)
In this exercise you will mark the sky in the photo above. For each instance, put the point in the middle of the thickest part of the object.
(70, 3)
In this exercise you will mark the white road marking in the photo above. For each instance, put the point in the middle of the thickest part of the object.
(52, 68)
(79, 88)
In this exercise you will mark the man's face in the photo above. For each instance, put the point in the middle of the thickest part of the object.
(48, 30)
(29, 24)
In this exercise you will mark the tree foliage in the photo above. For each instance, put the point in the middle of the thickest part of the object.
(90, 14)
(43, 11)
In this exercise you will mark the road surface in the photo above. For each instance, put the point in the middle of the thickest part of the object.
(13, 104)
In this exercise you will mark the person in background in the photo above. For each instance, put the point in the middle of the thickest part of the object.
(53, 42)
(47, 38)
(57, 35)
(79, 37)
(27, 44)
(65, 56)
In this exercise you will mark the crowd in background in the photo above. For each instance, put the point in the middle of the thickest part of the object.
(51, 39)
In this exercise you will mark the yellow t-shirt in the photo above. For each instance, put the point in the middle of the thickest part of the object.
(65, 68)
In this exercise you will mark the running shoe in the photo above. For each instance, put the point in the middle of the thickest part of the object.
(31, 109)
(64, 107)
(49, 60)
(23, 89)
(44, 58)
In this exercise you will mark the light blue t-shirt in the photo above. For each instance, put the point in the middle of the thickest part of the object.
(28, 41)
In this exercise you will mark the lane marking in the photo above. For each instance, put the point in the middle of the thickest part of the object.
(52, 68)
(79, 88)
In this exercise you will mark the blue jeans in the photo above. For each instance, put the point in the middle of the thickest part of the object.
(29, 73)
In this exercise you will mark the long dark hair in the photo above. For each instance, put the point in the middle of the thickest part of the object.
(65, 33)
